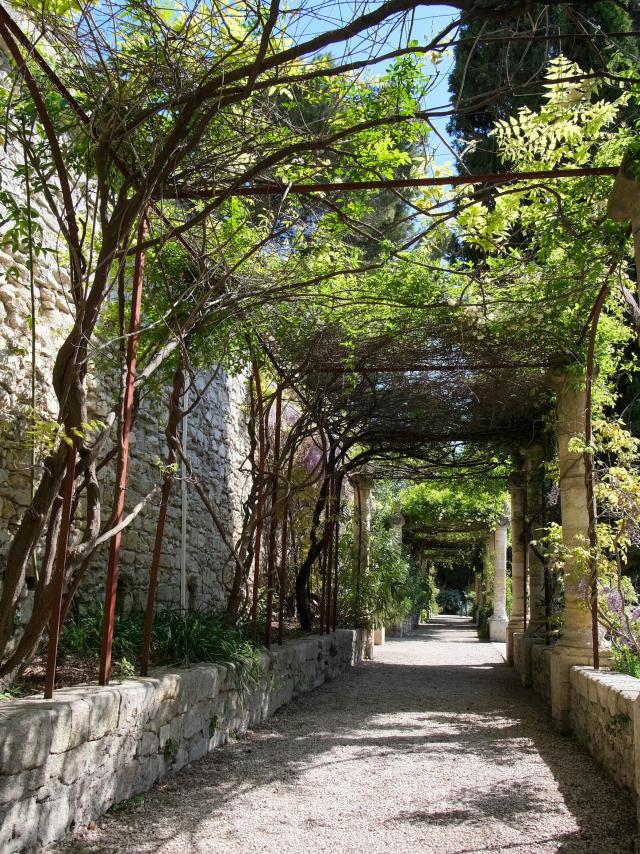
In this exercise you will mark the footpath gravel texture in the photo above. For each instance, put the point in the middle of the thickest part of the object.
(434, 747)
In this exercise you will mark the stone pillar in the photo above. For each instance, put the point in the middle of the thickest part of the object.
(624, 205)
(534, 523)
(535, 520)
(499, 621)
(396, 524)
(518, 581)
(361, 521)
(574, 647)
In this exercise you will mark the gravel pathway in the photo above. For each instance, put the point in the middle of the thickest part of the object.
(434, 747)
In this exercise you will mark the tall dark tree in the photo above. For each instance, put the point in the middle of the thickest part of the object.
(499, 69)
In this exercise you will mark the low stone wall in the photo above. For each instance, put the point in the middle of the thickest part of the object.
(541, 670)
(602, 719)
(65, 761)
(604, 715)
(403, 628)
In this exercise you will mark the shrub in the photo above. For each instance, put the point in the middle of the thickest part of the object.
(450, 601)
(626, 660)
(178, 637)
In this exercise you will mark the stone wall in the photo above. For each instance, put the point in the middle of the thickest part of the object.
(541, 670)
(604, 715)
(64, 762)
(217, 434)
(403, 628)
(602, 719)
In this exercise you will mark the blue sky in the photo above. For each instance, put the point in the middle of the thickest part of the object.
(427, 23)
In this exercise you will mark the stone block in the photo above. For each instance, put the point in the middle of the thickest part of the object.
(95, 796)
(148, 744)
(138, 701)
(126, 781)
(18, 787)
(25, 738)
(193, 722)
(56, 815)
(105, 712)
(198, 747)
(19, 828)
(79, 762)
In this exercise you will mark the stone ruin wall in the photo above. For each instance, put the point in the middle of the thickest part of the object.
(217, 440)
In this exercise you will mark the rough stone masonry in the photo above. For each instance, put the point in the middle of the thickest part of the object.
(217, 434)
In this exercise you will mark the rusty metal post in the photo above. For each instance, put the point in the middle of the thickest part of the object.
(123, 459)
(322, 565)
(330, 539)
(273, 527)
(167, 485)
(61, 563)
(259, 500)
(336, 554)
(282, 582)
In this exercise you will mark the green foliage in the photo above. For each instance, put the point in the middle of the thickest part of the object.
(131, 805)
(10, 693)
(450, 601)
(178, 638)
(170, 749)
(394, 586)
(626, 660)
(486, 612)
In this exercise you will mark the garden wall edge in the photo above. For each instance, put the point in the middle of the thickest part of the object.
(65, 761)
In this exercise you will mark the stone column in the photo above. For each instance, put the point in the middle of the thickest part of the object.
(518, 581)
(361, 521)
(535, 499)
(499, 621)
(534, 525)
(574, 647)
(396, 524)
(624, 205)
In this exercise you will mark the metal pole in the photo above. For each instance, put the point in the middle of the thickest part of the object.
(282, 583)
(273, 527)
(123, 460)
(336, 554)
(172, 430)
(329, 569)
(184, 509)
(260, 500)
(61, 563)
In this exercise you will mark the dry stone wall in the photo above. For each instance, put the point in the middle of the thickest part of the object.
(64, 762)
(217, 434)
(602, 709)
(541, 670)
(604, 715)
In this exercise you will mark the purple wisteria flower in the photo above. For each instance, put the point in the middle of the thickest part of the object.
(635, 614)
(634, 535)
(553, 496)
(312, 458)
(614, 601)
(583, 588)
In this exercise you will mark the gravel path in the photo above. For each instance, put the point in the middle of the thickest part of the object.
(434, 747)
